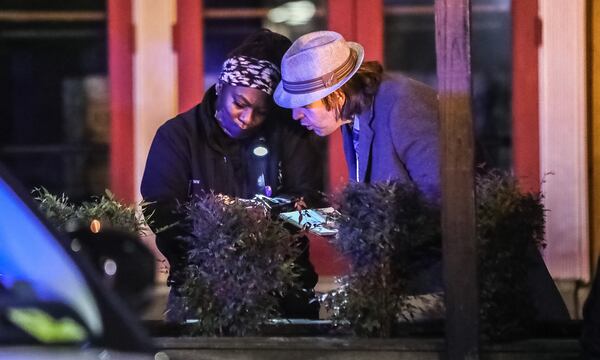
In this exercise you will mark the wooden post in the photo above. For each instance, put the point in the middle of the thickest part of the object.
(452, 21)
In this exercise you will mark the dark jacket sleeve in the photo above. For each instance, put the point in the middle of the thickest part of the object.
(302, 155)
(164, 186)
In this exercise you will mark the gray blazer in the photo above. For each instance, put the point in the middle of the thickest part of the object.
(399, 137)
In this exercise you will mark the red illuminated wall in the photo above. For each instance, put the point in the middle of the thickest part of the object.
(188, 43)
(120, 69)
(525, 100)
(360, 21)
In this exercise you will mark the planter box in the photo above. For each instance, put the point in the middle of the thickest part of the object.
(302, 348)
(320, 340)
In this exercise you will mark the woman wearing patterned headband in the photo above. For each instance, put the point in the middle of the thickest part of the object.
(209, 148)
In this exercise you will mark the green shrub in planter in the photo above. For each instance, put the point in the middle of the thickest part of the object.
(510, 227)
(390, 233)
(57, 209)
(67, 216)
(104, 230)
(239, 262)
(386, 228)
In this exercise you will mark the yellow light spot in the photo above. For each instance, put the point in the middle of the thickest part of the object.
(45, 328)
(95, 226)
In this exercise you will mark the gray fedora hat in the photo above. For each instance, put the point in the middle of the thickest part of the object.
(316, 65)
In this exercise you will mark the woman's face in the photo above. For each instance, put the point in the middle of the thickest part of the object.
(316, 117)
(241, 110)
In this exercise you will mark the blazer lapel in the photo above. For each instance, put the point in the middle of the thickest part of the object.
(365, 142)
(349, 151)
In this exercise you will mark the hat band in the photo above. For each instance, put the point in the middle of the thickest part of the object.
(325, 81)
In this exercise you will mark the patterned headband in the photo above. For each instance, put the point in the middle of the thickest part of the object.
(250, 72)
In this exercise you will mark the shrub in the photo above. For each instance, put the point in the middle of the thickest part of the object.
(510, 227)
(104, 229)
(239, 262)
(66, 216)
(389, 232)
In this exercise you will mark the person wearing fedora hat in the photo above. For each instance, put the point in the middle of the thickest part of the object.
(235, 142)
(389, 125)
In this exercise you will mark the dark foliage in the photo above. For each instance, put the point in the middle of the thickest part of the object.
(389, 233)
(387, 230)
(510, 226)
(66, 216)
(240, 261)
(105, 229)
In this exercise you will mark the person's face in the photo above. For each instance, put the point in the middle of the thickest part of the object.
(318, 118)
(241, 110)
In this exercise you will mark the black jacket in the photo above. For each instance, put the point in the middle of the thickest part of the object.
(190, 154)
